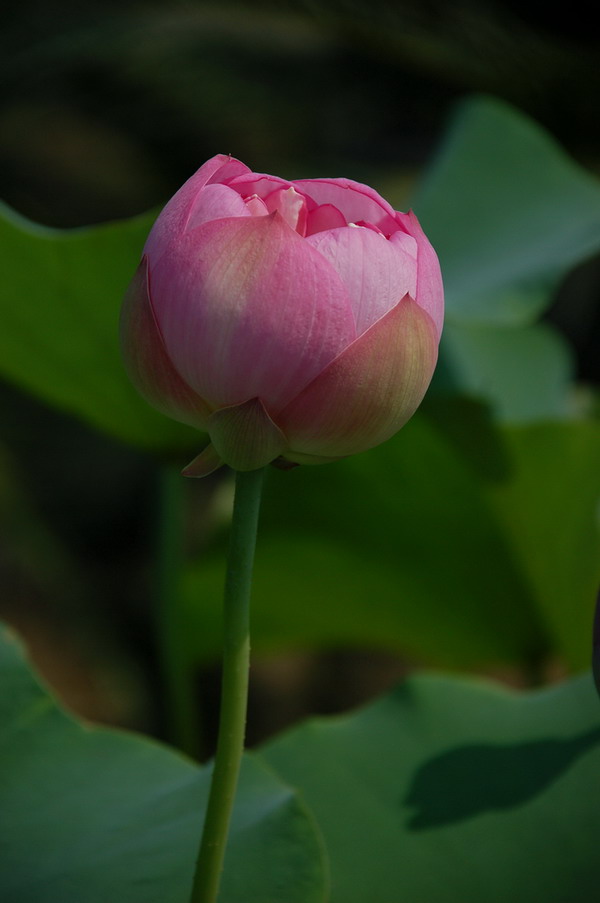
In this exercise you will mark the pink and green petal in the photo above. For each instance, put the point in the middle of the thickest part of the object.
(147, 362)
(369, 392)
(245, 437)
(247, 308)
(376, 273)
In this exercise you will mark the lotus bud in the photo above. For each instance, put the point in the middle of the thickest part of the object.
(293, 322)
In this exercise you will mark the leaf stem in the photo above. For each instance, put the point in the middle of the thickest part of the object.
(234, 686)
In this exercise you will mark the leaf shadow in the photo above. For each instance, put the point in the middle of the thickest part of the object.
(471, 780)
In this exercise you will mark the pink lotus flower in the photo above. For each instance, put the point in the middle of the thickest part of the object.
(288, 320)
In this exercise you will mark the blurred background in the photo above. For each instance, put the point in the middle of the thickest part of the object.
(105, 109)
(107, 106)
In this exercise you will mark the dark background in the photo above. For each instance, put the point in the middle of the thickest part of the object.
(105, 109)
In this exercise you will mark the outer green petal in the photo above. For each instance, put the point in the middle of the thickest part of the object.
(290, 459)
(206, 462)
(147, 362)
(244, 436)
(369, 391)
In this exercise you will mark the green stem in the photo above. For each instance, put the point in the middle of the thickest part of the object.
(234, 686)
(183, 726)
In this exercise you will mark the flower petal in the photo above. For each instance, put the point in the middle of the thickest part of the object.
(245, 437)
(258, 183)
(203, 464)
(430, 288)
(215, 202)
(369, 392)
(286, 463)
(376, 272)
(324, 217)
(355, 201)
(147, 362)
(174, 216)
(290, 205)
(247, 308)
(256, 205)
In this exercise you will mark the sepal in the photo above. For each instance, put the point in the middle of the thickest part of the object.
(245, 437)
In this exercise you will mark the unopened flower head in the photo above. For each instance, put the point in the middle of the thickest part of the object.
(292, 321)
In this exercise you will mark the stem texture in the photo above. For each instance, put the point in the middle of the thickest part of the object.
(234, 686)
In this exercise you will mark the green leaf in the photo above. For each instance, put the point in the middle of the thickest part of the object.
(451, 791)
(549, 508)
(508, 213)
(458, 543)
(91, 815)
(525, 373)
(62, 292)
(398, 549)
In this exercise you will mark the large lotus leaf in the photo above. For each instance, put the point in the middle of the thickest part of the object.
(450, 791)
(508, 213)
(59, 307)
(91, 815)
(525, 372)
